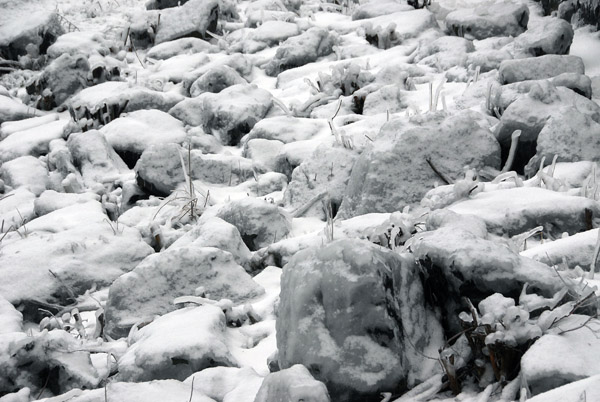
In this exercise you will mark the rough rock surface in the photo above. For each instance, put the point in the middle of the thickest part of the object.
(292, 384)
(488, 20)
(344, 314)
(552, 36)
(537, 68)
(193, 18)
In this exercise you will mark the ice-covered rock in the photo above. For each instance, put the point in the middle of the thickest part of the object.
(537, 68)
(377, 9)
(263, 152)
(445, 52)
(241, 63)
(548, 36)
(85, 43)
(215, 232)
(227, 384)
(162, 4)
(346, 314)
(288, 129)
(292, 384)
(259, 222)
(517, 210)
(569, 135)
(159, 169)
(176, 47)
(274, 32)
(132, 134)
(176, 345)
(94, 157)
(50, 201)
(34, 141)
(63, 77)
(568, 353)
(490, 19)
(590, 387)
(26, 171)
(78, 244)
(11, 319)
(397, 169)
(215, 80)
(302, 49)
(153, 285)
(12, 110)
(575, 250)
(326, 171)
(37, 28)
(193, 18)
(229, 115)
(457, 263)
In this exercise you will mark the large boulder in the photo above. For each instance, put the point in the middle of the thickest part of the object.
(24, 29)
(326, 171)
(548, 36)
(259, 222)
(488, 20)
(288, 129)
(344, 314)
(569, 135)
(539, 68)
(302, 49)
(153, 285)
(34, 141)
(193, 18)
(215, 80)
(292, 384)
(177, 345)
(64, 77)
(25, 171)
(13, 110)
(397, 169)
(229, 114)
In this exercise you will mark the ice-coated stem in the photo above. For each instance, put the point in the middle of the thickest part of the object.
(514, 141)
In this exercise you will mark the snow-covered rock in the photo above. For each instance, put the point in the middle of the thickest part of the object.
(288, 129)
(292, 384)
(537, 68)
(153, 285)
(575, 250)
(259, 222)
(64, 77)
(12, 110)
(26, 171)
(229, 114)
(36, 29)
(215, 80)
(50, 201)
(34, 141)
(377, 9)
(176, 47)
(193, 18)
(227, 384)
(159, 169)
(85, 43)
(302, 49)
(490, 19)
(548, 36)
(11, 319)
(395, 172)
(263, 152)
(366, 349)
(176, 345)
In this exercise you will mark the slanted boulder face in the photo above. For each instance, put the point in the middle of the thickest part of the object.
(344, 313)
(38, 29)
(302, 49)
(293, 384)
(159, 171)
(456, 262)
(63, 77)
(488, 20)
(260, 223)
(570, 135)
(153, 285)
(395, 172)
(193, 18)
(539, 68)
(196, 341)
(326, 172)
(549, 36)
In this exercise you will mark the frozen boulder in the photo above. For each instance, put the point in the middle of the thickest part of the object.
(289, 129)
(153, 285)
(590, 387)
(25, 171)
(457, 263)
(326, 171)
(538, 68)
(132, 134)
(241, 63)
(575, 250)
(343, 314)
(569, 135)
(215, 80)
(489, 19)
(377, 9)
(263, 153)
(517, 210)
(445, 52)
(274, 32)
(215, 232)
(548, 36)
(159, 171)
(227, 384)
(78, 42)
(35, 359)
(34, 141)
(11, 319)
(193, 18)
(177, 47)
(63, 77)
(292, 384)
(568, 353)
(37, 29)
(229, 115)
(259, 222)
(13, 110)
(50, 201)
(162, 4)
(397, 169)
(94, 157)
(302, 49)
(177, 345)
(152, 391)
